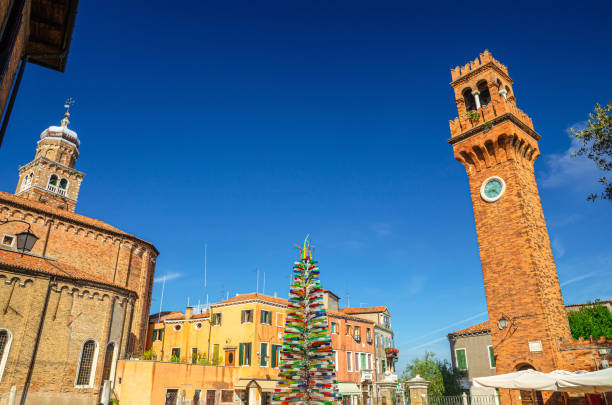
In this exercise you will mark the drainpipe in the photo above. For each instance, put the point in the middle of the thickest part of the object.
(26, 385)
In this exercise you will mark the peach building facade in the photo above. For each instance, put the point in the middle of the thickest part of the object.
(246, 332)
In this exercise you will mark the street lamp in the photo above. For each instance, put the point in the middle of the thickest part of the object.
(25, 240)
(502, 323)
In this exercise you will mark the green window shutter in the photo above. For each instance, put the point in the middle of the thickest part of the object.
(461, 361)
(491, 356)
(247, 352)
(241, 355)
(263, 355)
(154, 335)
(363, 361)
(274, 355)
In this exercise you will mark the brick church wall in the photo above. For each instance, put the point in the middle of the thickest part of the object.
(75, 313)
(96, 248)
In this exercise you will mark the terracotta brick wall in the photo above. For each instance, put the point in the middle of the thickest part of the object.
(114, 256)
(75, 313)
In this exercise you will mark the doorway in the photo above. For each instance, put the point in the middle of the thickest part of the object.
(230, 357)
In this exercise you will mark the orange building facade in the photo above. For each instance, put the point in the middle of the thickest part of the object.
(246, 332)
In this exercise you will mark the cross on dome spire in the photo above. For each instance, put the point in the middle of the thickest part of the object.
(69, 103)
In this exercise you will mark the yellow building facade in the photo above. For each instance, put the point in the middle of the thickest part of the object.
(245, 331)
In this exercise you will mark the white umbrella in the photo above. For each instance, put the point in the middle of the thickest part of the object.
(595, 381)
(519, 380)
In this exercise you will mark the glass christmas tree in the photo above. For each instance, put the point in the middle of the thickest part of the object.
(307, 375)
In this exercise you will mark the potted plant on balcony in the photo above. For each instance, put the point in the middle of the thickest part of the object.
(391, 352)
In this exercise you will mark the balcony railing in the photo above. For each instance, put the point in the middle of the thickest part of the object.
(357, 338)
(366, 375)
(369, 339)
(56, 189)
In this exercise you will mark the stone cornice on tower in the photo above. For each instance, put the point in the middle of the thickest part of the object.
(487, 61)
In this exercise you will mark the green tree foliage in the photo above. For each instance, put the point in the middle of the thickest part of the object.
(597, 145)
(426, 367)
(443, 378)
(451, 378)
(591, 320)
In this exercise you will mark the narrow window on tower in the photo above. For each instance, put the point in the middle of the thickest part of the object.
(63, 184)
(468, 99)
(485, 95)
(53, 180)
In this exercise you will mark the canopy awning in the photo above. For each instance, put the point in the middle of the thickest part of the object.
(596, 381)
(264, 385)
(523, 380)
(348, 388)
(558, 380)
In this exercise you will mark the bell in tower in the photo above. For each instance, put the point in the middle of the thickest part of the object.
(51, 177)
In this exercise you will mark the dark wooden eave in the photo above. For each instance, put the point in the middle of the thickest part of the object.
(50, 32)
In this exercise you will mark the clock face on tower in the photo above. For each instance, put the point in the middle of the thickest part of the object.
(492, 189)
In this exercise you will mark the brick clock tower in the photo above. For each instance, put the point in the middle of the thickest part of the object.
(51, 177)
(498, 146)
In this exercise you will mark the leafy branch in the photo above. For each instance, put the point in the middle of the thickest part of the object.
(596, 141)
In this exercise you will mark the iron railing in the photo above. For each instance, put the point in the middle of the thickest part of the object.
(461, 400)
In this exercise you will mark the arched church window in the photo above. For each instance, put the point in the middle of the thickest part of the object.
(87, 364)
(468, 98)
(53, 180)
(5, 345)
(109, 360)
(485, 95)
(63, 184)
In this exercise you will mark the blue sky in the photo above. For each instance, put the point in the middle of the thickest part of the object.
(246, 126)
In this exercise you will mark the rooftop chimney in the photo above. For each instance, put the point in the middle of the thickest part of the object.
(188, 312)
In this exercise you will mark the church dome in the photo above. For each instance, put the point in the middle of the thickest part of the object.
(62, 132)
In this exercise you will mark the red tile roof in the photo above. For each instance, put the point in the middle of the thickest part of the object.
(364, 310)
(344, 315)
(67, 215)
(481, 327)
(253, 296)
(49, 266)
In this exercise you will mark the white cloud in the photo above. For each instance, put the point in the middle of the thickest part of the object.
(431, 342)
(415, 285)
(576, 279)
(381, 228)
(562, 169)
(558, 247)
(167, 277)
(450, 325)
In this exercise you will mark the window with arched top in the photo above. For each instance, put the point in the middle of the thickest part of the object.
(5, 345)
(87, 364)
(53, 180)
(468, 98)
(63, 184)
(27, 181)
(110, 358)
(485, 95)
